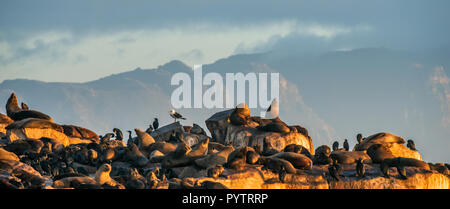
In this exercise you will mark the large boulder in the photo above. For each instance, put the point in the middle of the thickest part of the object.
(35, 129)
(223, 131)
(392, 142)
(163, 133)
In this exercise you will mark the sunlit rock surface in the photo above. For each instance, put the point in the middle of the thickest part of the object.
(222, 131)
(4, 121)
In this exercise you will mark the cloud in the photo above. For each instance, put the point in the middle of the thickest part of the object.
(441, 90)
(64, 56)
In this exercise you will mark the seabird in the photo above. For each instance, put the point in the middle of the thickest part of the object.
(155, 123)
(176, 115)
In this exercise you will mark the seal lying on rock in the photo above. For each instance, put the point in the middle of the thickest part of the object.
(299, 149)
(5, 155)
(379, 152)
(400, 163)
(277, 165)
(297, 160)
(163, 147)
(219, 158)
(135, 156)
(16, 113)
(240, 115)
(350, 157)
(379, 138)
(274, 127)
(237, 159)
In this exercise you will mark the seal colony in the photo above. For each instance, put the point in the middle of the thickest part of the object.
(243, 152)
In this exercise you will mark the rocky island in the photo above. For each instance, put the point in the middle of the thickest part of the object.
(243, 152)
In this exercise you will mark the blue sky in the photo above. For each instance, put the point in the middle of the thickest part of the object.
(76, 41)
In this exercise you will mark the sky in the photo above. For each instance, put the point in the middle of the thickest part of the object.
(78, 41)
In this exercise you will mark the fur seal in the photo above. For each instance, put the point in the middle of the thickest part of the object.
(219, 158)
(322, 155)
(16, 113)
(102, 177)
(344, 157)
(237, 159)
(299, 129)
(297, 160)
(360, 168)
(200, 149)
(80, 132)
(379, 152)
(299, 149)
(163, 147)
(144, 139)
(379, 138)
(240, 115)
(21, 146)
(400, 163)
(411, 145)
(135, 156)
(212, 185)
(275, 127)
(24, 106)
(252, 156)
(277, 165)
(215, 171)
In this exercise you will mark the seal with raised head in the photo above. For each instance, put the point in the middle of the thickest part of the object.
(102, 177)
(240, 115)
(16, 113)
(237, 159)
(144, 139)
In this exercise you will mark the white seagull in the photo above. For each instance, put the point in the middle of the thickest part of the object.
(176, 115)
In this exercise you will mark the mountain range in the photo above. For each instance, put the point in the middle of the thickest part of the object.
(335, 95)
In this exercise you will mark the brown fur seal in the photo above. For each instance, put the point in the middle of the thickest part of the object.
(238, 158)
(219, 158)
(102, 176)
(80, 132)
(297, 160)
(299, 149)
(215, 171)
(322, 155)
(252, 156)
(299, 129)
(379, 138)
(275, 127)
(379, 152)
(240, 115)
(400, 163)
(25, 145)
(344, 157)
(16, 113)
(35, 123)
(135, 156)
(200, 149)
(278, 165)
(144, 139)
(163, 147)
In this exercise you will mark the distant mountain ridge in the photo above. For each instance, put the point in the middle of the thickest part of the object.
(334, 95)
